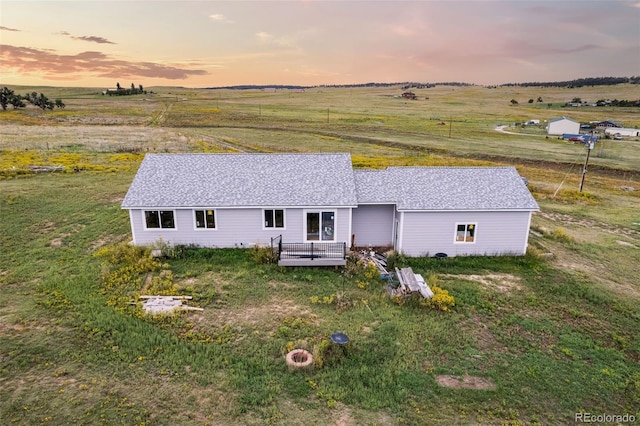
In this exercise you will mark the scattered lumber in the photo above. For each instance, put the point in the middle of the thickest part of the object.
(155, 305)
(412, 283)
(45, 169)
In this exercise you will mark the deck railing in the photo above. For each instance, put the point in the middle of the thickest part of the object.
(312, 250)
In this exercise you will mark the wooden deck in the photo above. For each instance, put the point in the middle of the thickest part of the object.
(318, 261)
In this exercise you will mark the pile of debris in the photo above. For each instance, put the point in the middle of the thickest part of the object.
(155, 305)
(45, 169)
(401, 282)
(380, 260)
(409, 282)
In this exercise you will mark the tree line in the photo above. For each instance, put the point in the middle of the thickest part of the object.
(9, 97)
(580, 82)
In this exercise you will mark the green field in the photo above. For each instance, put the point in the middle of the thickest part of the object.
(538, 338)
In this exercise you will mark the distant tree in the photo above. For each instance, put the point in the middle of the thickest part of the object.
(514, 102)
(133, 88)
(32, 97)
(5, 97)
(531, 100)
(576, 101)
(539, 99)
(549, 105)
(60, 104)
(118, 86)
(41, 101)
(16, 101)
(141, 89)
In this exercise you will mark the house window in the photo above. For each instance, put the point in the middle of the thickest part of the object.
(465, 232)
(321, 226)
(205, 219)
(156, 219)
(273, 218)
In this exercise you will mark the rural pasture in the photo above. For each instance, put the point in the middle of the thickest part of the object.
(530, 340)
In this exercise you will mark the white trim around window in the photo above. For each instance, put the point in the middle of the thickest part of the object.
(277, 219)
(465, 233)
(166, 220)
(207, 220)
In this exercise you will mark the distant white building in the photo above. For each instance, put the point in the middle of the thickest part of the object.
(561, 125)
(621, 131)
(532, 122)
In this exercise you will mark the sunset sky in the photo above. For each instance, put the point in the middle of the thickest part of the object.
(219, 43)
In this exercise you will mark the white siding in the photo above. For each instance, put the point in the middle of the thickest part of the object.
(373, 225)
(563, 126)
(622, 131)
(234, 228)
(428, 233)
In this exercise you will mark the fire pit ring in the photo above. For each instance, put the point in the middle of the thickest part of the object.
(299, 358)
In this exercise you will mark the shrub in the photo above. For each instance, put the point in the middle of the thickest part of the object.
(262, 255)
(560, 234)
(441, 299)
(362, 273)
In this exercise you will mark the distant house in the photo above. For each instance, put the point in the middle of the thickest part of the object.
(312, 207)
(560, 125)
(607, 123)
(409, 95)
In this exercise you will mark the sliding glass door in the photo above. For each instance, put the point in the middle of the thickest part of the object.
(320, 226)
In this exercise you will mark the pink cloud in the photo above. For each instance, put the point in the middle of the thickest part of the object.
(55, 66)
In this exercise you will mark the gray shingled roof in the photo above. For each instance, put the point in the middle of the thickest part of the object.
(445, 188)
(254, 180)
(236, 180)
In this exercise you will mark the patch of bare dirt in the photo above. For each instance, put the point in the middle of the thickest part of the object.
(273, 311)
(344, 417)
(626, 244)
(504, 283)
(108, 239)
(57, 242)
(465, 382)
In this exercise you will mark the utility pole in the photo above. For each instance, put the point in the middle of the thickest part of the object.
(586, 160)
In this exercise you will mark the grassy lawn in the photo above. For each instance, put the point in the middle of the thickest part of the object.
(546, 341)
(530, 340)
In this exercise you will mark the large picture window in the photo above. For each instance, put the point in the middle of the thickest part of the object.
(205, 219)
(159, 219)
(465, 232)
(274, 218)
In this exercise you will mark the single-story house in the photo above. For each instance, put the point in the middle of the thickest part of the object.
(607, 123)
(312, 206)
(560, 125)
(621, 131)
